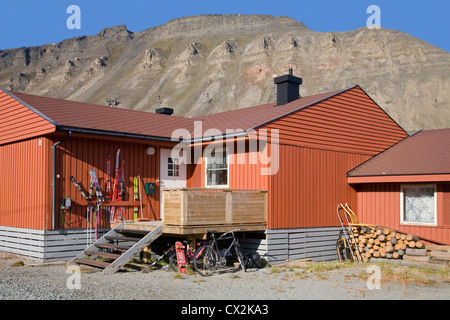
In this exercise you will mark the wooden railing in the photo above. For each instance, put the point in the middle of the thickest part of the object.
(197, 209)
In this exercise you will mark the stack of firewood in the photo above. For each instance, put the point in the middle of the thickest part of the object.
(381, 242)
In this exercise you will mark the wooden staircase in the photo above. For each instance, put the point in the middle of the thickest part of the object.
(116, 248)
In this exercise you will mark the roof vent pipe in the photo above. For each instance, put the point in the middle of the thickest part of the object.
(287, 88)
(164, 110)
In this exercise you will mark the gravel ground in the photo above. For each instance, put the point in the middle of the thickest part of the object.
(33, 281)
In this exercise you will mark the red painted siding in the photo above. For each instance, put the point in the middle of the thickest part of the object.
(305, 191)
(77, 154)
(309, 185)
(18, 122)
(244, 172)
(26, 181)
(379, 203)
(446, 203)
(348, 122)
(25, 184)
(318, 145)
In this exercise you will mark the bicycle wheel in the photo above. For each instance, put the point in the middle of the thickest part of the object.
(206, 260)
(173, 262)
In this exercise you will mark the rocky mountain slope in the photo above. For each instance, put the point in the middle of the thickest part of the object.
(212, 63)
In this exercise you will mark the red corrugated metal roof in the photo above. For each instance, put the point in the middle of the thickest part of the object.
(427, 152)
(66, 114)
(73, 114)
(252, 117)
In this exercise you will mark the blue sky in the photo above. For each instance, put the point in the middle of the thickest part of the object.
(33, 23)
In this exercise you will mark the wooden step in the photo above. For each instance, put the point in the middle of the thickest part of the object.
(133, 232)
(92, 262)
(138, 247)
(102, 254)
(140, 238)
(112, 246)
(122, 238)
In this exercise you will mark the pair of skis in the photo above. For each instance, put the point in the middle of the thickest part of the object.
(85, 196)
(118, 191)
(88, 198)
(100, 199)
(136, 196)
(108, 190)
(93, 185)
(96, 185)
(92, 211)
(114, 192)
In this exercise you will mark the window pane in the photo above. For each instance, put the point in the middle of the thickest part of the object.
(173, 167)
(218, 158)
(217, 169)
(419, 205)
(216, 177)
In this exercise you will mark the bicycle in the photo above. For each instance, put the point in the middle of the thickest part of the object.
(208, 258)
(170, 255)
(166, 254)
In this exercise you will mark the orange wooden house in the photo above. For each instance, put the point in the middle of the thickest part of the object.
(296, 152)
(407, 187)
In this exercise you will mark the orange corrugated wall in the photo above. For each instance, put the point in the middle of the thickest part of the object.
(318, 145)
(309, 185)
(18, 122)
(244, 172)
(25, 184)
(379, 203)
(347, 122)
(77, 154)
(305, 191)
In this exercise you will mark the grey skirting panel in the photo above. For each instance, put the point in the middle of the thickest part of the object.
(249, 244)
(319, 244)
(46, 245)
(276, 246)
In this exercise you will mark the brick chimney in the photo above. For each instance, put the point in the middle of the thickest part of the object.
(287, 88)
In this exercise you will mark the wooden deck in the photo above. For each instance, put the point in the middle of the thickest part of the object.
(194, 211)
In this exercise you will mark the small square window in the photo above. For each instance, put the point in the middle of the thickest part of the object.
(418, 204)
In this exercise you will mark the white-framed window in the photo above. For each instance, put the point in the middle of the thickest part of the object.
(418, 205)
(173, 167)
(216, 168)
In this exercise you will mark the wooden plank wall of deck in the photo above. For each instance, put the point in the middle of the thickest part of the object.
(195, 210)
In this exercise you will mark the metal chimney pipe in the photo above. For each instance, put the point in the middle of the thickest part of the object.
(287, 88)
